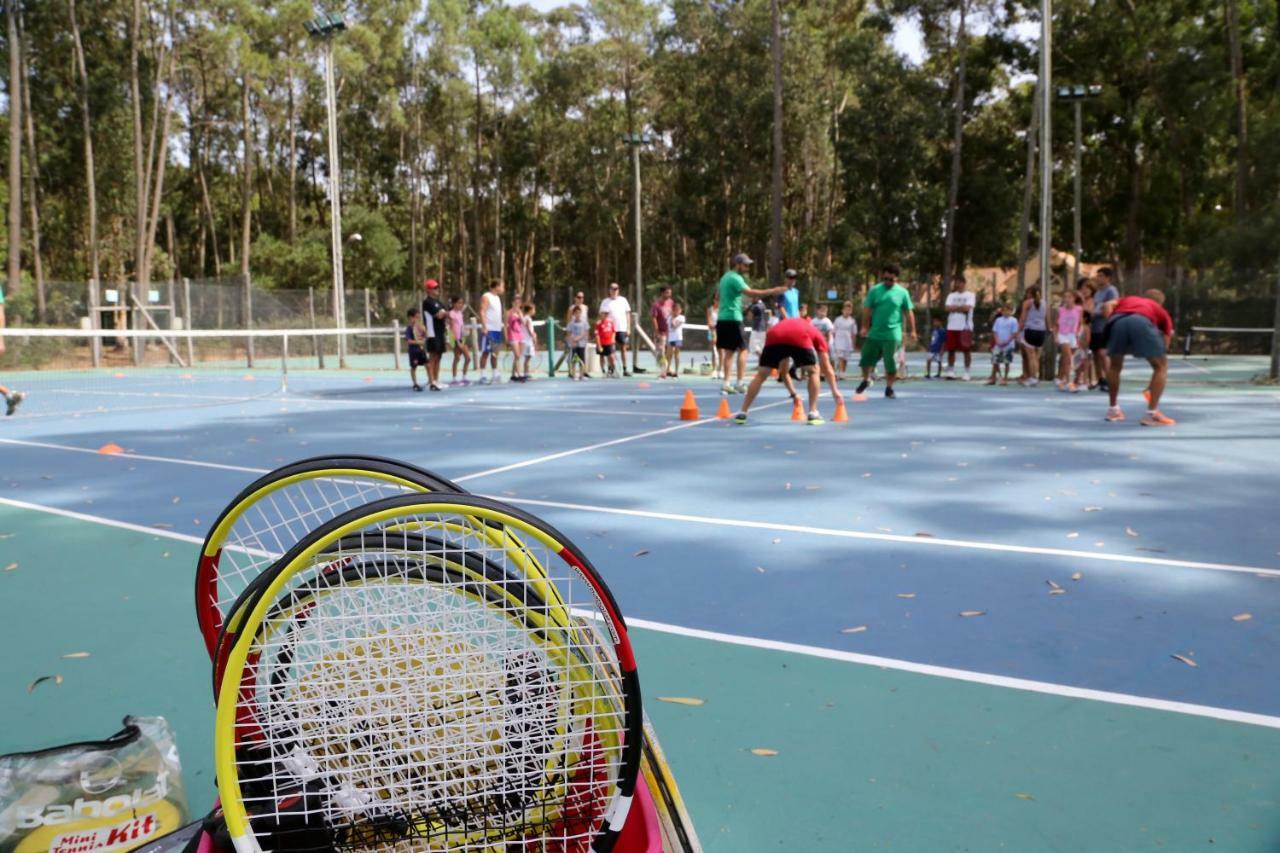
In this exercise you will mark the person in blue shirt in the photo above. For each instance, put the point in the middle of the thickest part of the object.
(789, 302)
(936, 339)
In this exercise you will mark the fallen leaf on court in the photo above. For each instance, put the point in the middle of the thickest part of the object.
(163, 524)
(11, 567)
(924, 535)
(251, 440)
(857, 629)
(812, 488)
(599, 476)
(1151, 550)
(906, 595)
(777, 541)
(868, 474)
(790, 452)
(762, 751)
(165, 554)
(75, 655)
(1073, 535)
(786, 486)
(760, 569)
(1242, 617)
(681, 700)
(1188, 661)
(973, 613)
(56, 679)
(641, 552)
(1024, 796)
(1075, 576)
(1129, 531)
(1093, 509)
(1057, 591)
(1053, 585)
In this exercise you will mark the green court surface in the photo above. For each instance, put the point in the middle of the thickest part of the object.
(867, 758)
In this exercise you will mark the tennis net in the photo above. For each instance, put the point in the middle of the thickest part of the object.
(1217, 340)
(73, 372)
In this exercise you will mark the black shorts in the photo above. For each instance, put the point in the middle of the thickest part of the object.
(774, 354)
(1034, 337)
(621, 338)
(417, 356)
(435, 344)
(729, 335)
(579, 353)
(1098, 335)
(606, 349)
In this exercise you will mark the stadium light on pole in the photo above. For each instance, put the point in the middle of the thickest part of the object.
(1077, 94)
(323, 28)
(635, 141)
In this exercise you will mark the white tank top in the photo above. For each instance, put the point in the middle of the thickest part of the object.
(1035, 316)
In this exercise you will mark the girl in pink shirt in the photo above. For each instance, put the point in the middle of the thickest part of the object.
(515, 340)
(457, 325)
(1070, 315)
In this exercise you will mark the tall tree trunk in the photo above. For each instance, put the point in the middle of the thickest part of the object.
(291, 118)
(155, 180)
(246, 184)
(139, 171)
(86, 120)
(1028, 194)
(957, 142)
(15, 152)
(775, 193)
(478, 250)
(33, 172)
(1239, 198)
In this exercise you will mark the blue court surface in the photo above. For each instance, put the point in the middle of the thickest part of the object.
(969, 619)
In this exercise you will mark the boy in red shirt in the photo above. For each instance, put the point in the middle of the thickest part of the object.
(1139, 325)
(794, 345)
(605, 333)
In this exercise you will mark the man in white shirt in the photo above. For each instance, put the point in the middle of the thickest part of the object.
(960, 305)
(619, 311)
(491, 317)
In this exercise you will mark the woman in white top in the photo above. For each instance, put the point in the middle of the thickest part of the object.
(1034, 327)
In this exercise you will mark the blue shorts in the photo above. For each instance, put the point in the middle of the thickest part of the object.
(1133, 334)
(491, 342)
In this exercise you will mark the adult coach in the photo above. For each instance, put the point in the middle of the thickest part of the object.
(434, 314)
(11, 398)
(1139, 326)
(730, 340)
(491, 317)
(794, 345)
(619, 311)
(887, 306)
(1104, 291)
(960, 305)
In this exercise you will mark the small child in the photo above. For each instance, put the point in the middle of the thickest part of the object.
(576, 333)
(936, 339)
(1080, 360)
(530, 338)
(823, 323)
(605, 334)
(1070, 318)
(515, 340)
(1004, 337)
(675, 340)
(457, 329)
(845, 333)
(415, 333)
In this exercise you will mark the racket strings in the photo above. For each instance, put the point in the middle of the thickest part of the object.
(400, 699)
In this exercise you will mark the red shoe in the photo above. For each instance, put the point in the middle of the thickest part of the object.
(1156, 418)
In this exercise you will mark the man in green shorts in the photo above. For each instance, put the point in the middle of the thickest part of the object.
(730, 340)
(11, 398)
(883, 311)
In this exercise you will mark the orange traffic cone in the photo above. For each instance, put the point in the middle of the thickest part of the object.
(797, 411)
(841, 416)
(110, 449)
(723, 412)
(689, 408)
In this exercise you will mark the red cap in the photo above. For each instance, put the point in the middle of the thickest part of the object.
(431, 284)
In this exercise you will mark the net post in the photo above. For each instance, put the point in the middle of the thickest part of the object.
(395, 325)
(248, 317)
(551, 346)
(311, 315)
(95, 322)
(284, 363)
(187, 321)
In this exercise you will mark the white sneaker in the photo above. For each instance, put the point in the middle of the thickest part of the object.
(965, 377)
(951, 373)
(741, 388)
(726, 388)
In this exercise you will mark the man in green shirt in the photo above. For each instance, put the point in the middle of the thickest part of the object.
(11, 398)
(730, 339)
(887, 306)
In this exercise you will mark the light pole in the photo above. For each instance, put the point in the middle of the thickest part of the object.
(634, 141)
(1077, 94)
(1046, 165)
(323, 29)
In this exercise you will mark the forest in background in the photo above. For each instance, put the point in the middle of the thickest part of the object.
(149, 139)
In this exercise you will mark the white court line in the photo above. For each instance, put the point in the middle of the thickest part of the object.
(988, 679)
(901, 539)
(732, 522)
(562, 454)
(127, 455)
(455, 404)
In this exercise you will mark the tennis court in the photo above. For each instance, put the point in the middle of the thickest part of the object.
(971, 618)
